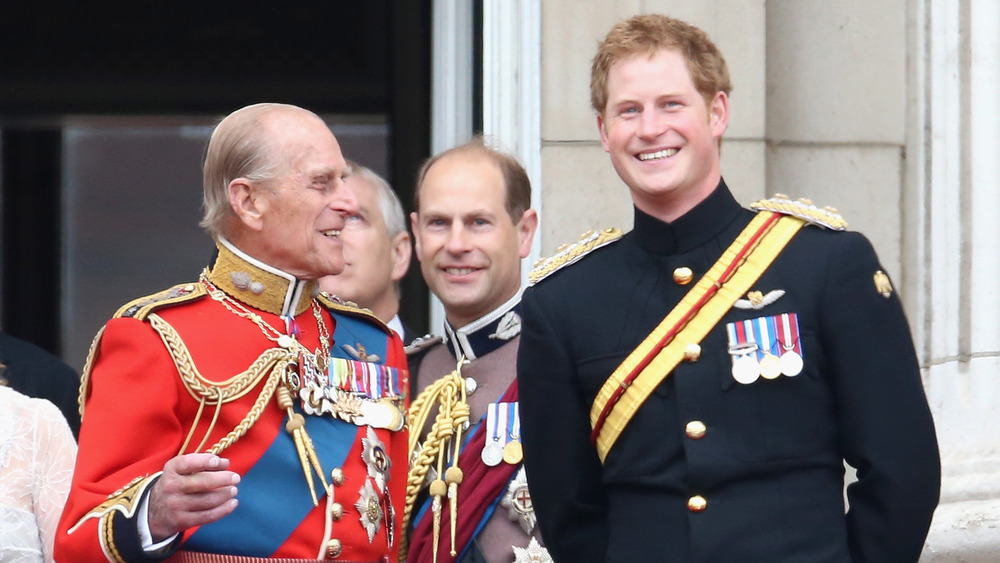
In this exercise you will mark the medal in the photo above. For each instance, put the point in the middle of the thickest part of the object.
(512, 452)
(534, 553)
(493, 449)
(791, 364)
(770, 366)
(384, 413)
(746, 370)
(788, 328)
(376, 458)
(743, 349)
(517, 501)
(492, 454)
(369, 510)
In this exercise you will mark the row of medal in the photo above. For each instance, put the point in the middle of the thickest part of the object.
(765, 347)
(361, 393)
(503, 435)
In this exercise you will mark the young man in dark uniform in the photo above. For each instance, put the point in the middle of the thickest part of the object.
(691, 390)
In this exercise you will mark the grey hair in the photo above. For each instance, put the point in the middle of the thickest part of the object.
(240, 147)
(388, 201)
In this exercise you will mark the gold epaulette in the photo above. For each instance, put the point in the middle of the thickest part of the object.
(141, 308)
(569, 253)
(802, 208)
(350, 308)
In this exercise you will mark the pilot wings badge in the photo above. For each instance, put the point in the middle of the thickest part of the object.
(758, 300)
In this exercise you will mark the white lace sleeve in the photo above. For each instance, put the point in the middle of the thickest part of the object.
(56, 453)
(37, 453)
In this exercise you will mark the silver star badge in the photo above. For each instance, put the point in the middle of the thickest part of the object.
(369, 510)
(376, 458)
(534, 553)
(517, 501)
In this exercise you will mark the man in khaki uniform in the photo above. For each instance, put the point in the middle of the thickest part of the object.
(472, 226)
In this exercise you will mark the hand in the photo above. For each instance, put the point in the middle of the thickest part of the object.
(194, 489)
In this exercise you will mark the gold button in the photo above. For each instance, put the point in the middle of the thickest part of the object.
(683, 275)
(337, 476)
(336, 511)
(697, 503)
(334, 548)
(695, 429)
(692, 352)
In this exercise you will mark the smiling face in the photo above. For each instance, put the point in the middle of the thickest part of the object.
(662, 137)
(469, 248)
(293, 222)
(373, 262)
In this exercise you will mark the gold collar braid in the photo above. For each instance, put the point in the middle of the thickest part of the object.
(260, 286)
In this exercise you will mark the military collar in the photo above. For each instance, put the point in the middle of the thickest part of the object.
(486, 334)
(696, 227)
(258, 285)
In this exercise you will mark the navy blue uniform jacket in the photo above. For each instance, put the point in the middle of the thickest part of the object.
(771, 462)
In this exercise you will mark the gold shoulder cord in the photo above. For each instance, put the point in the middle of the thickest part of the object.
(273, 364)
(88, 366)
(216, 394)
(448, 395)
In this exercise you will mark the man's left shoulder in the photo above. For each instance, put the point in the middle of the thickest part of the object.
(572, 253)
(826, 217)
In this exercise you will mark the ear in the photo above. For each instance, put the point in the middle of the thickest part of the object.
(526, 231)
(247, 203)
(414, 225)
(402, 250)
(603, 130)
(718, 114)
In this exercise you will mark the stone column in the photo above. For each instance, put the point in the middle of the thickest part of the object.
(953, 210)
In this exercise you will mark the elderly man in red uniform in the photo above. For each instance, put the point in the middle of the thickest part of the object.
(246, 416)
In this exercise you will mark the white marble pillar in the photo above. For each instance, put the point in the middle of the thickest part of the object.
(953, 206)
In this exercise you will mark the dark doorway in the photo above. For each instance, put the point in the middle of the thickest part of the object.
(80, 79)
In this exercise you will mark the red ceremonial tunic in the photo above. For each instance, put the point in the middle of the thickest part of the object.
(146, 388)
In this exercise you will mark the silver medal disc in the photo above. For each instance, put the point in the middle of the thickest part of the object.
(746, 370)
(492, 454)
(791, 363)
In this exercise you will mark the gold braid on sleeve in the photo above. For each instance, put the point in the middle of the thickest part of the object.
(443, 442)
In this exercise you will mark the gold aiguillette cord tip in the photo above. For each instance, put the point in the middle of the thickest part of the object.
(438, 490)
(303, 444)
(454, 477)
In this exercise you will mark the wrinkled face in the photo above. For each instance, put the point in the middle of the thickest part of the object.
(302, 211)
(368, 275)
(660, 134)
(469, 248)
